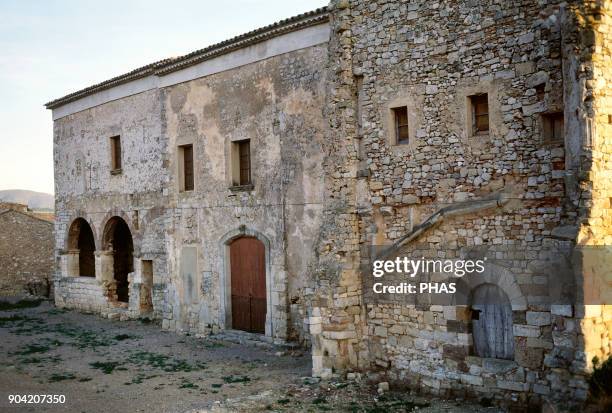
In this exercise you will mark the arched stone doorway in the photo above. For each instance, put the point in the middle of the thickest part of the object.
(248, 284)
(81, 242)
(118, 240)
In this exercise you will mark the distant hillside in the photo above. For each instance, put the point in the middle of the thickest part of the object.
(34, 200)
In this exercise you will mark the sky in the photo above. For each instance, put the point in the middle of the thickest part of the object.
(49, 48)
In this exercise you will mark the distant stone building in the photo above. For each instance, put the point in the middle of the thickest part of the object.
(244, 186)
(26, 252)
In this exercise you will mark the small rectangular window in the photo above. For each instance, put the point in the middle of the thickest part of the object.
(188, 167)
(115, 153)
(480, 113)
(552, 127)
(400, 119)
(359, 104)
(186, 174)
(540, 91)
(244, 156)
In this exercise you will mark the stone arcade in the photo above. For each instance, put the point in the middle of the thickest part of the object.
(242, 186)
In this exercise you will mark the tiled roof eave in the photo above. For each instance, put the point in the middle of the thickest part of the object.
(166, 66)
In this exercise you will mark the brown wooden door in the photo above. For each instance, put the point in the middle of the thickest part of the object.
(248, 272)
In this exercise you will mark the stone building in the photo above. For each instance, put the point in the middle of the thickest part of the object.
(26, 252)
(247, 185)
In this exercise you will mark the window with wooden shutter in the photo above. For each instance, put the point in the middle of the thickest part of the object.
(188, 167)
(552, 127)
(244, 159)
(115, 142)
(480, 113)
(400, 119)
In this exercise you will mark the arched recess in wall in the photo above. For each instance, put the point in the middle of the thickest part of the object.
(117, 238)
(81, 239)
(492, 322)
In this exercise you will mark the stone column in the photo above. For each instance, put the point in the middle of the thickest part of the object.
(104, 266)
(70, 263)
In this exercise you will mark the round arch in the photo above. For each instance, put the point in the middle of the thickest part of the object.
(80, 239)
(117, 239)
(500, 277)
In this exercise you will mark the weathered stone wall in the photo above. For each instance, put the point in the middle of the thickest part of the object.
(86, 188)
(591, 58)
(276, 103)
(26, 254)
(432, 57)
(330, 184)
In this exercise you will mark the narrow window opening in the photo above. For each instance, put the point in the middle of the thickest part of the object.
(552, 127)
(359, 104)
(610, 119)
(480, 114)
(115, 154)
(244, 155)
(400, 120)
(186, 167)
(540, 91)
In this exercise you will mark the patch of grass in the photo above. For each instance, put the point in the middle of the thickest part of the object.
(138, 379)
(56, 311)
(186, 384)
(5, 305)
(141, 377)
(216, 385)
(121, 337)
(283, 401)
(33, 348)
(107, 367)
(55, 377)
(391, 402)
(90, 339)
(319, 400)
(40, 360)
(84, 379)
(163, 362)
(11, 319)
(213, 344)
(236, 379)
(21, 322)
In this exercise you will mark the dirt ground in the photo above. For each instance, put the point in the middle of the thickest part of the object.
(134, 366)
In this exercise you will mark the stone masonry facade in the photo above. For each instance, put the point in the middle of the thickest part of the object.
(317, 98)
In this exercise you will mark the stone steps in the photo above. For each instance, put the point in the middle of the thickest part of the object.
(244, 337)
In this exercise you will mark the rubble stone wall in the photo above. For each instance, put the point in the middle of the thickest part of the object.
(432, 57)
(330, 185)
(26, 261)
